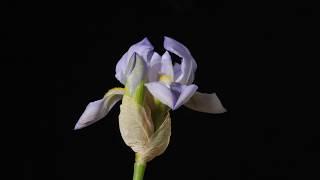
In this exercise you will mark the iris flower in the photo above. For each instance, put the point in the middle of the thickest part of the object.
(153, 86)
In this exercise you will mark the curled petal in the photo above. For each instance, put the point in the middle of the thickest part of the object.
(188, 64)
(98, 109)
(208, 103)
(144, 48)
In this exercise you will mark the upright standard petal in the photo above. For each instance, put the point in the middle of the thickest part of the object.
(154, 67)
(188, 64)
(166, 65)
(98, 109)
(137, 74)
(208, 103)
(144, 48)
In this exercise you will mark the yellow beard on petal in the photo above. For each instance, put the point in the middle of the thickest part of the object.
(165, 79)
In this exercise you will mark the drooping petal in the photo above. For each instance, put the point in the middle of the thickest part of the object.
(187, 91)
(144, 48)
(173, 96)
(188, 64)
(98, 109)
(203, 102)
(162, 92)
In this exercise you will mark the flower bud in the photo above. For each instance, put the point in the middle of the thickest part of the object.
(144, 126)
(136, 78)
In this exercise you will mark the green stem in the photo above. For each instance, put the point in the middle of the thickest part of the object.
(139, 168)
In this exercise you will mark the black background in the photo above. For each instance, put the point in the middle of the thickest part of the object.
(255, 56)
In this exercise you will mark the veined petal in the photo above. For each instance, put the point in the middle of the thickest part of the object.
(208, 103)
(162, 92)
(144, 48)
(98, 109)
(188, 64)
(187, 91)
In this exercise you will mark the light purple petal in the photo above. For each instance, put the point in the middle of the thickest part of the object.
(162, 92)
(166, 65)
(155, 59)
(144, 48)
(176, 71)
(208, 103)
(137, 74)
(188, 64)
(187, 91)
(98, 109)
(173, 96)
(121, 68)
(93, 112)
(154, 67)
(131, 64)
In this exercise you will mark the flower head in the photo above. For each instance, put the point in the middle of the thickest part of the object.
(153, 86)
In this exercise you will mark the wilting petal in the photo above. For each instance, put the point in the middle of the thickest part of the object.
(144, 48)
(98, 109)
(208, 103)
(162, 92)
(188, 64)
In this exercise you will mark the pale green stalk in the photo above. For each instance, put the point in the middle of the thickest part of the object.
(139, 168)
